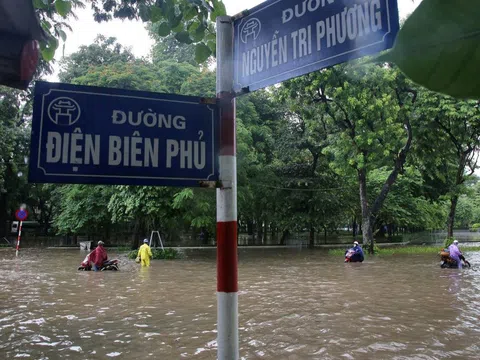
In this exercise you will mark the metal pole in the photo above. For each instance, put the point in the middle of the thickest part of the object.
(227, 278)
(18, 238)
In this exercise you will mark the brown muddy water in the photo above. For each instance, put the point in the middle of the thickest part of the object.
(293, 304)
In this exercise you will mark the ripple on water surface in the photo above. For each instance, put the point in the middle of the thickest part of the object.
(292, 305)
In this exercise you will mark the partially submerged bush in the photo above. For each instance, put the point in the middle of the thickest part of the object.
(475, 227)
(167, 254)
(123, 249)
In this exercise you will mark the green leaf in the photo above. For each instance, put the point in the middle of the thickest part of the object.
(62, 35)
(174, 20)
(52, 43)
(437, 47)
(63, 7)
(212, 45)
(219, 10)
(211, 36)
(199, 33)
(180, 27)
(191, 13)
(156, 14)
(163, 29)
(193, 26)
(39, 4)
(183, 37)
(46, 25)
(48, 53)
(202, 52)
(144, 12)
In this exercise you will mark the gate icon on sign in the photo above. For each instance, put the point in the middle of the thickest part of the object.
(64, 111)
(251, 29)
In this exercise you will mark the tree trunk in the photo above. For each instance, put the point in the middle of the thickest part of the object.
(135, 234)
(283, 239)
(3, 215)
(354, 226)
(451, 214)
(369, 214)
(265, 232)
(390, 229)
(107, 232)
(273, 233)
(311, 243)
(367, 234)
(259, 229)
(460, 179)
(249, 227)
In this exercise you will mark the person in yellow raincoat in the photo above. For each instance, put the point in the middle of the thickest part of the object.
(145, 253)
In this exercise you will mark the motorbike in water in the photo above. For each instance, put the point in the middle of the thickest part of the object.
(352, 256)
(448, 262)
(107, 265)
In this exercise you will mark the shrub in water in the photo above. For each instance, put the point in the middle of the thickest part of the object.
(475, 227)
(167, 254)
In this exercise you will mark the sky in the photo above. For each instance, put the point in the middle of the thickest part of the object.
(132, 34)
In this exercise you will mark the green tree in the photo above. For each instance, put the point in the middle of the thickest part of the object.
(406, 206)
(368, 110)
(170, 49)
(189, 21)
(83, 210)
(145, 208)
(454, 126)
(132, 76)
(103, 51)
(14, 143)
(137, 208)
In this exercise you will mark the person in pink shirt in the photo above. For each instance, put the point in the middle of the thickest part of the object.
(455, 253)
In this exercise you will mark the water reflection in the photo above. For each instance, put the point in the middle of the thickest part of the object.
(294, 304)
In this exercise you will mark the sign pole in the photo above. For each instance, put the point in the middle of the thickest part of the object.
(227, 277)
(18, 238)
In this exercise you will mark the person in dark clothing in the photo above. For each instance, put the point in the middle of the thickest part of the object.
(357, 255)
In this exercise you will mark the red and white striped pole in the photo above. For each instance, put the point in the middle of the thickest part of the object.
(18, 237)
(227, 278)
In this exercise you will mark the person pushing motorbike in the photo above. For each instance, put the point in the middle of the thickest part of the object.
(98, 256)
(455, 253)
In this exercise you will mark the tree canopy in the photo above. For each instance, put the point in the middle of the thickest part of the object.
(352, 144)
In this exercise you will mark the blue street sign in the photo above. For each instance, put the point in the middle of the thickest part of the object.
(282, 39)
(93, 135)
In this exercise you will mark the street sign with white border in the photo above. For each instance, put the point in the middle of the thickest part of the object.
(282, 39)
(93, 135)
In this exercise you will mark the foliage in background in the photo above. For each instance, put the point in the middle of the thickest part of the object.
(54, 16)
(436, 46)
(159, 254)
(300, 146)
(448, 241)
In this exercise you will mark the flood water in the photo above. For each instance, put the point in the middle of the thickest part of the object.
(293, 304)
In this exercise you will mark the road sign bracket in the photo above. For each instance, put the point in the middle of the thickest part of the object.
(242, 91)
